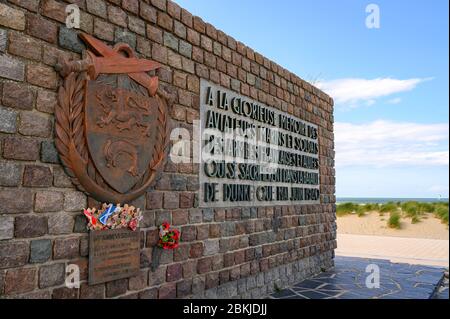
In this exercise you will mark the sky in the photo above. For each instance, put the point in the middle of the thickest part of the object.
(390, 84)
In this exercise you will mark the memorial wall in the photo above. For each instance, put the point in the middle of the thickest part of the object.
(216, 163)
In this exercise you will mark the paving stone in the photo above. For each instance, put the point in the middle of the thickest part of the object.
(347, 281)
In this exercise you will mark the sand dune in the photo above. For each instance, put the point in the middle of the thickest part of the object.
(374, 224)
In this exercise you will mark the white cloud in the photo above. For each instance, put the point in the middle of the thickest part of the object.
(350, 92)
(386, 143)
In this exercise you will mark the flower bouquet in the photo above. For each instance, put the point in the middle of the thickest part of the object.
(168, 238)
(111, 216)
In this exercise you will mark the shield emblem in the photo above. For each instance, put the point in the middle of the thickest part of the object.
(111, 121)
(120, 127)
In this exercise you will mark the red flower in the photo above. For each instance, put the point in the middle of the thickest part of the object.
(133, 224)
(166, 225)
(168, 238)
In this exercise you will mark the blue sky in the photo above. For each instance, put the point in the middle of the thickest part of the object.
(390, 84)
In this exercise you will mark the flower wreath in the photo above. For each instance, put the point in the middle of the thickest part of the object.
(113, 217)
(169, 238)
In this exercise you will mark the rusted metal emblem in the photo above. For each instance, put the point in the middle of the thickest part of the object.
(111, 122)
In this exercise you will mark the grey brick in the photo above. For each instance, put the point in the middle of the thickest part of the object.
(8, 120)
(246, 214)
(80, 225)
(48, 201)
(208, 215)
(251, 282)
(97, 7)
(40, 250)
(178, 182)
(185, 49)
(68, 39)
(253, 212)
(235, 85)
(195, 216)
(74, 201)
(51, 275)
(6, 227)
(211, 247)
(125, 37)
(10, 173)
(3, 40)
(136, 25)
(229, 229)
(170, 41)
(60, 178)
(60, 223)
(49, 154)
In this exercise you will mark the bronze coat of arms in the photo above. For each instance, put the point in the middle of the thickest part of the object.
(111, 122)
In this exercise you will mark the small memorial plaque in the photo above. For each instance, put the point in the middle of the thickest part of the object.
(113, 254)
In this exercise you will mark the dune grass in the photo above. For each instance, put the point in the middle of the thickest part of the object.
(346, 208)
(416, 211)
(394, 220)
(441, 212)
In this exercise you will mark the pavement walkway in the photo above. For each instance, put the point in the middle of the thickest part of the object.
(417, 251)
(348, 280)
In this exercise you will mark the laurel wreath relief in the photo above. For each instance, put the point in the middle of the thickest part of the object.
(71, 143)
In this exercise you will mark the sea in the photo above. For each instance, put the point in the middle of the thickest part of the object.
(382, 200)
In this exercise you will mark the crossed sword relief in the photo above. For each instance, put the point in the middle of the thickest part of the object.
(117, 60)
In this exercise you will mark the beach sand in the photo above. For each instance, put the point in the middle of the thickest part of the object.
(374, 224)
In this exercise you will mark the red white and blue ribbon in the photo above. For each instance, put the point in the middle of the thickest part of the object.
(105, 215)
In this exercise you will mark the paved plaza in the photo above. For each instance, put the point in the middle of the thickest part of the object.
(348, 281)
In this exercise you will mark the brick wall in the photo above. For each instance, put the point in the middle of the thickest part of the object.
(224, 252)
